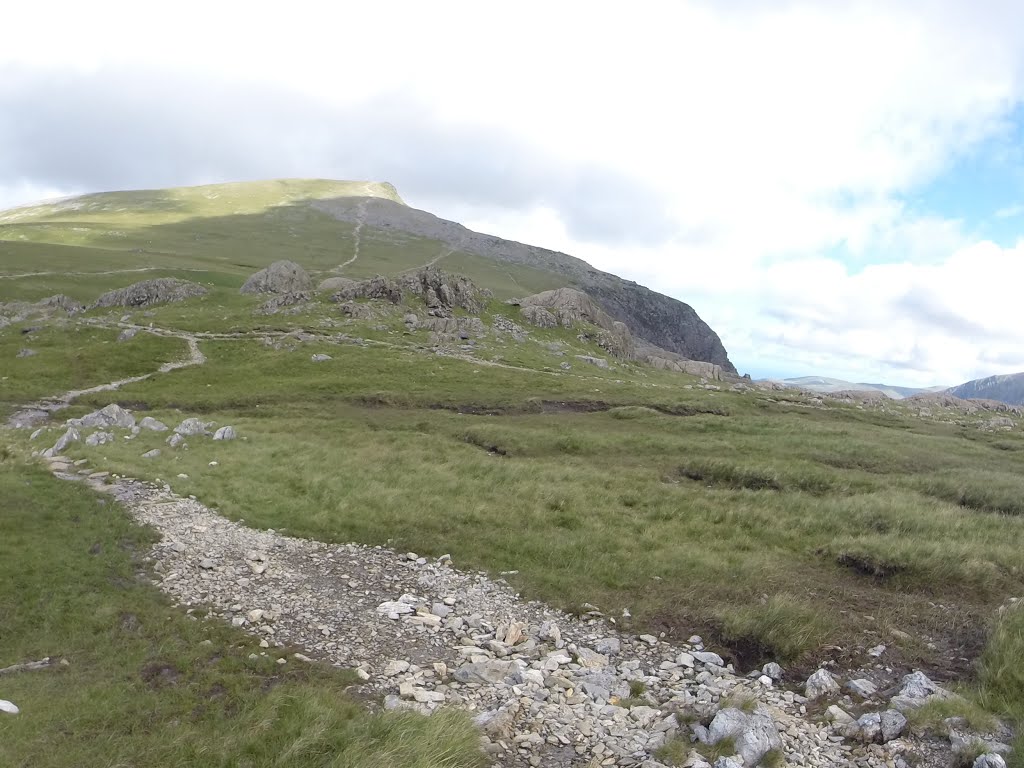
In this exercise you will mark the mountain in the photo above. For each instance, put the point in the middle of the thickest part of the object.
(1007, 388)
(824, 385)
(350, 228)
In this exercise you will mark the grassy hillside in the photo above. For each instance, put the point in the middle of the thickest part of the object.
(776, 525)
(145, 684)
(218, 235)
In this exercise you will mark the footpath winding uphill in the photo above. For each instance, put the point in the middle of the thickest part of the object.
(546, 688)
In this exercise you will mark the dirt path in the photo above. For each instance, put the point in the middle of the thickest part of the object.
(106, 272)
(356, 233)
(39, 412)
(543, 685)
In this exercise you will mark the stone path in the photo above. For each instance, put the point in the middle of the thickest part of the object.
(547, 689)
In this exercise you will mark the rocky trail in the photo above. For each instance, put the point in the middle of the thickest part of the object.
(357, 232)
(21, 275)
(546, 688)
(39, 412)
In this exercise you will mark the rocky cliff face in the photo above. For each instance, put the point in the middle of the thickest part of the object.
(1006, 389)
(658, 319)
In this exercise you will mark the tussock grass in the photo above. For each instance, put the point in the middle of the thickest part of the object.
(141, 687)
(675, 751)
(978, 490)
(579, 505)
(784, 626)
(933, 714)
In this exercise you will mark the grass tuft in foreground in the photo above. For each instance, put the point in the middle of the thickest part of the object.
(147, 685)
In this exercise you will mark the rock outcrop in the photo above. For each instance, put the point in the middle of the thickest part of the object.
(569, 307)
(279, 277)
(161, 290)
(334, 284)
(661, 320)
(377, 287)
(1008, 389)
(441, 292)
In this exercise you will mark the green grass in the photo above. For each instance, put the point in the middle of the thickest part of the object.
(675, 751)
(147, 685)
(601, 512)
(74, 358)
(770, 527)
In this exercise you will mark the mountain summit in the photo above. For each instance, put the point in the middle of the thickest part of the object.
(352, 228)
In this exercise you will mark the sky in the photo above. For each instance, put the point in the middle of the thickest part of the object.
(836, 187)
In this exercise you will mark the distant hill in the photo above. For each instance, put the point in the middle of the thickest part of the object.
(1008, 388)
(825, 385)
(351, 228)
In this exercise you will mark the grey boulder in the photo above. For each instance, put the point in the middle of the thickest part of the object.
(821, 683)
(193, 426)
(225, 433)
(279, 277)
(148, 422)
(99, 438)
(491, 672)
(112, 415)
(989, 760)
(69, 437)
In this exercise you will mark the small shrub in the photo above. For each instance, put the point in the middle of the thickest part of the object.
(674, 751)
(637, 687)
(742, 701)
(932, 715)
(711, 752)
(784, 627)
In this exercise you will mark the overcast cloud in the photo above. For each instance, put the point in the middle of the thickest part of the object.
(836, 187)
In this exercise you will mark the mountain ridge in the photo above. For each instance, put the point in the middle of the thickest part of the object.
(371, 213)
(1006, 388)
(662, 320)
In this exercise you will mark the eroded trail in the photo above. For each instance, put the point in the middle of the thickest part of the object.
(547, 689)
(104, 272)
(40, 411)
(357, 233)
(426, 635)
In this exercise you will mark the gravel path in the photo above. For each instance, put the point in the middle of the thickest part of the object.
(546, 688)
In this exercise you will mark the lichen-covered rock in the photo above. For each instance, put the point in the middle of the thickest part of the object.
(821, 683)
(99, 438)
(162, 290)
(225, 433)
(539, 316)
(71, 436)
(377, 287)
(279, 277)
(193, 426)
(111, 415)
(275, 304)
(442, 292)
(568, 306)
(60, 301)
(334, 284)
